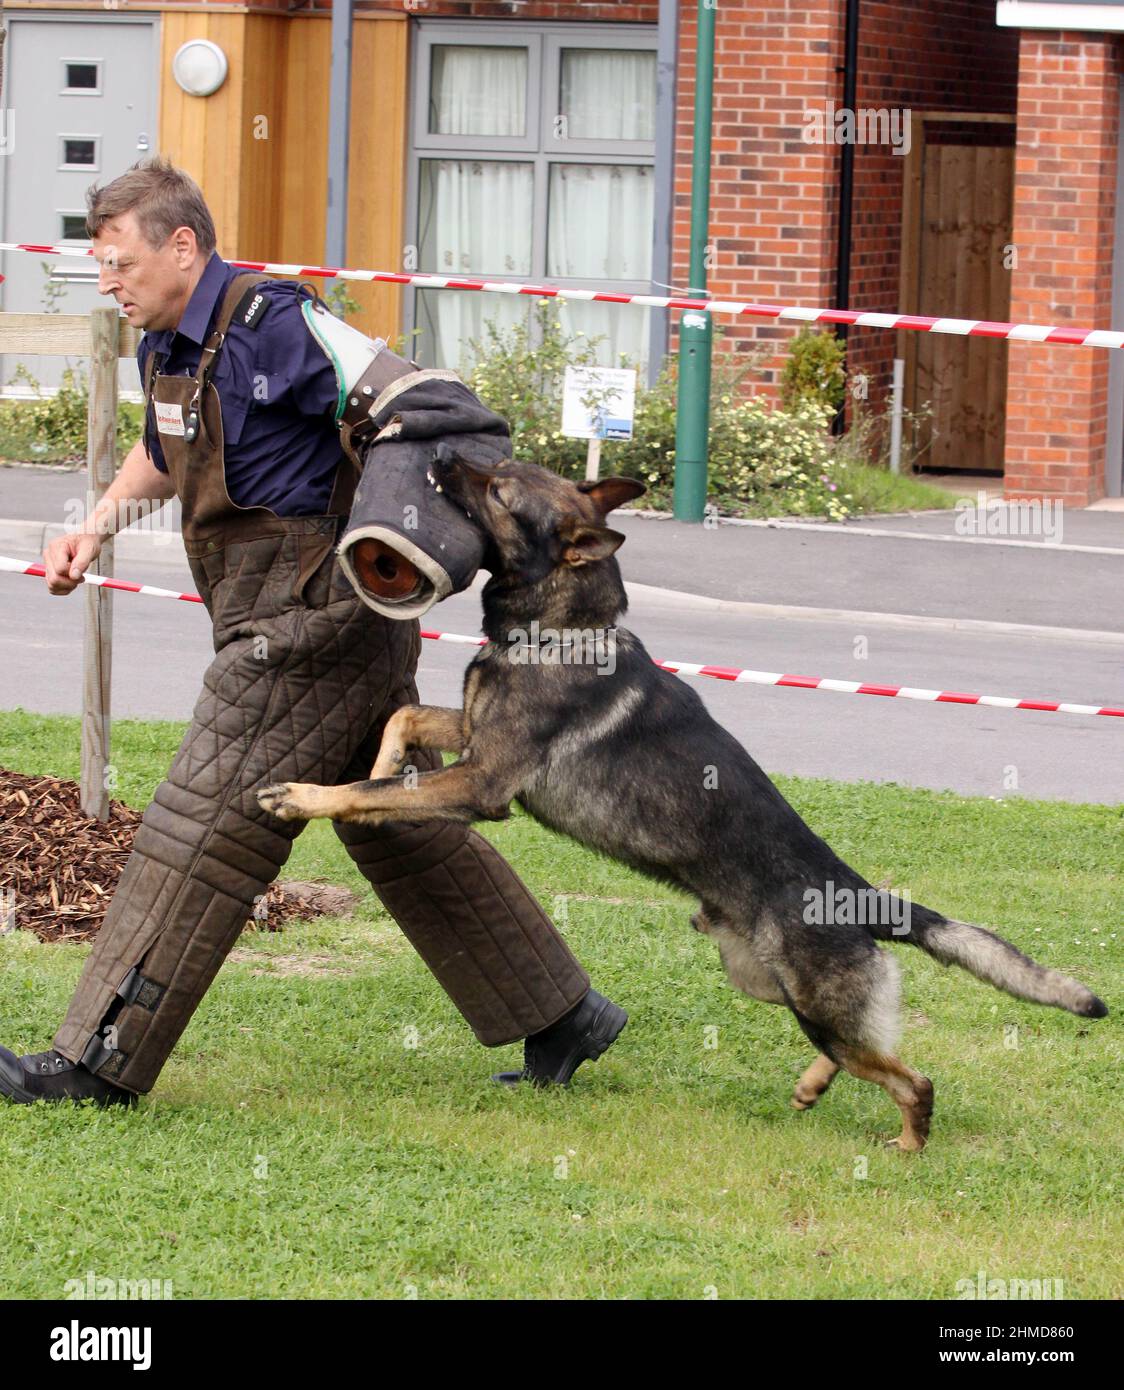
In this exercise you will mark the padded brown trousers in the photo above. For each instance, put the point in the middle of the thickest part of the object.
(299, 690)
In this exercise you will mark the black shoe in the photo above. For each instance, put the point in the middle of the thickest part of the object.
(552, 1056)
(51, 1076)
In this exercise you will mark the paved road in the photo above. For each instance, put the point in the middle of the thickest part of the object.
(698, 595)
(55, 497)
(1033, 582)
(838, 569)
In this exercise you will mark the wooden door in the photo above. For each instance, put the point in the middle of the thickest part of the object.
(956, 263)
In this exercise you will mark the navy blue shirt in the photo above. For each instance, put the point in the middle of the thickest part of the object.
(277, 390)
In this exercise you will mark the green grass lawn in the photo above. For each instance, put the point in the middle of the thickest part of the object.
(878, 490)
(871, 489)
(296, 1146)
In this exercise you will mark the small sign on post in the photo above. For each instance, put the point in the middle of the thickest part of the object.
(598, 403)
(101, 461)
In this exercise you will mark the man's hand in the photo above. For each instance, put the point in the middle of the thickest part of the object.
(67, 559)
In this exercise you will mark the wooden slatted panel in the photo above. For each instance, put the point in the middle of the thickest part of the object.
(376, 163)
(58, 335)
(958, 222)
(203, 135)
(377, 168)
(262, 150)
(1000, 186)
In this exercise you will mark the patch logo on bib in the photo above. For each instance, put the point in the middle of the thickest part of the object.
(169, 417)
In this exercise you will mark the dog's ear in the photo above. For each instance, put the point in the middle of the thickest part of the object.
(583, 542)
(607, 493)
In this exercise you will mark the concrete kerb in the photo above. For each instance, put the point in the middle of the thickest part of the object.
(149, 547)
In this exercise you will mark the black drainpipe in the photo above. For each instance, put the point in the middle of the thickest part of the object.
(846, 183)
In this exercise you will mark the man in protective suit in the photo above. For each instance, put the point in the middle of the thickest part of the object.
(243, 413)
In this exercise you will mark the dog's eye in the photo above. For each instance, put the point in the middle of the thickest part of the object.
(495, 492)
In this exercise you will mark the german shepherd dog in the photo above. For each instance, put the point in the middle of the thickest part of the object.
(628, 761)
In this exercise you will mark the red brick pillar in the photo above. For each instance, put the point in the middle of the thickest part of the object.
(1065, 202)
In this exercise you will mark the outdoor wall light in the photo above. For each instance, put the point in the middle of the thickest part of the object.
(199, 67)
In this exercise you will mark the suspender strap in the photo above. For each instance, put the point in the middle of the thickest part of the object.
(149, 368)
(209, 356)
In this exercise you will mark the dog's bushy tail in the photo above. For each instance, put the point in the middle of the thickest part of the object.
(996, 961)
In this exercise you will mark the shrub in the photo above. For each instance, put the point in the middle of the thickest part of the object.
(815, 369)
(763, 460)
(53, 427)
(340, 300)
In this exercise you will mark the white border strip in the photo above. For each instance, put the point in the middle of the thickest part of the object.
(1029, 14)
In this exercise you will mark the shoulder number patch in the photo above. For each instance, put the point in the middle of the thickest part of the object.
(250, 308)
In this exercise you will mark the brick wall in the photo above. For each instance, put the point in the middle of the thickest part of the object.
(774, 198)
(939, 55)
(1065, 187)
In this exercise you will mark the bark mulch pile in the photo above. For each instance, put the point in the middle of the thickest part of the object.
(59, 868)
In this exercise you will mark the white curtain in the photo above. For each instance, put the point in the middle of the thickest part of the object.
(608, 94)
(600, 221)
(600, 229)
(477, 216)
(476, 219)
(478, 90)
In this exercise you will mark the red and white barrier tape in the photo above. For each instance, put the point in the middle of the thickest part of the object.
(20, 567)
(920, 323)
(686, 668)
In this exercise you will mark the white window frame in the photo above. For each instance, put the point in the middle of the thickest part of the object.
(60, 213)
(469, 36)
(98, 63)
(63, 167)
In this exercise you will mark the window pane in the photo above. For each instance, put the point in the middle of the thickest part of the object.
(600, 221)
(78, 152)
(73, 226)
(478, 90)
(608, 94)
(82, 76)
(449, 321)
(475, 216)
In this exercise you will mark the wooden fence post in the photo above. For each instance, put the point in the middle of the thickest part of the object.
(101, 464)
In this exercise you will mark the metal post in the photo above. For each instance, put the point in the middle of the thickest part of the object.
(896, 415)
(339, 131)
(695, 331)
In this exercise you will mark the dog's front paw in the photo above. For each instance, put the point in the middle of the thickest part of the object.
(292, 800)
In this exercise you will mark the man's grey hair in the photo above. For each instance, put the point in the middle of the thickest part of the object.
(161, 196)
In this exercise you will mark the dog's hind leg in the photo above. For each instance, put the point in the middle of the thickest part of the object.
(851, 1016)
(912, 1092)
(418, 726)
(814, 1082)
